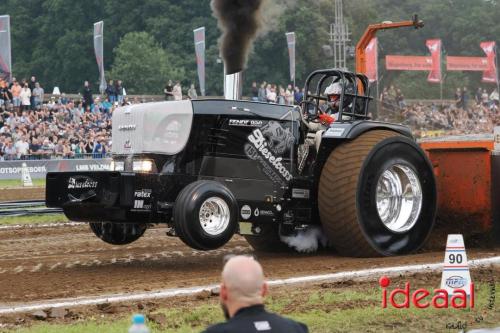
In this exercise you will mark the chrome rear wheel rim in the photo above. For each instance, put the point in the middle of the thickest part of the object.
(399, 198)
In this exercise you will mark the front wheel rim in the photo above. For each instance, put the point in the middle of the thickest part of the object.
(214, 216)
(399, 198)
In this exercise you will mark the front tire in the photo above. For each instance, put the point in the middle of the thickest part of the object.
(118, 233)
(377, 196)
(205, 215)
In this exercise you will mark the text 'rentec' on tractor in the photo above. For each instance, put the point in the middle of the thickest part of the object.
(213, 168)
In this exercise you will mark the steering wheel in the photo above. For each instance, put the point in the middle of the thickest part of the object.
(305, 111)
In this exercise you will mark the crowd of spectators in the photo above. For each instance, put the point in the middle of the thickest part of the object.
(24, 95)
(271, 93)
(263, 92)
(173, 92)
(463, 116)
(34, 128)
(392, 97)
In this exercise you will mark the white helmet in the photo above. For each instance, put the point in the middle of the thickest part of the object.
(334, 89)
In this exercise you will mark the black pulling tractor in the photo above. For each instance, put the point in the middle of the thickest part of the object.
(211, 168)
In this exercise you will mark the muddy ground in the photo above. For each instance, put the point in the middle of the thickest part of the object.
(22, 193)
(69, 261)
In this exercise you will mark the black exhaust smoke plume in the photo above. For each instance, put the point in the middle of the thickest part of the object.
(239, 21)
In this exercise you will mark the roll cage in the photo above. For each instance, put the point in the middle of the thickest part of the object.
(354, 98)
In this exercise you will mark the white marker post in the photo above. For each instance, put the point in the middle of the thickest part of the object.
(25, 176)
(456, 273)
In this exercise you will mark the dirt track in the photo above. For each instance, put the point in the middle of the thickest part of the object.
(22, 193)
(59, 262)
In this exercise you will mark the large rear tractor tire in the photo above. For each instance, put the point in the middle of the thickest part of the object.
(377, 195)
(205, 215)
(118, 233)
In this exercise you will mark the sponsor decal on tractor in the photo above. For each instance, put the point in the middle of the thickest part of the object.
(269, 151)
(246, 212)
(245, 122)
(81, 183)
(145, 193)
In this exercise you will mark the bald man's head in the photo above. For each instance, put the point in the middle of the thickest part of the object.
(243, 279)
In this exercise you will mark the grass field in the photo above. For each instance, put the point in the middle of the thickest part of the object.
(8, 183)
(324, 308)
(33, 219)
(29, 219)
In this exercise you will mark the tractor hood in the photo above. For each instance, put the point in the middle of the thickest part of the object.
(157, 128)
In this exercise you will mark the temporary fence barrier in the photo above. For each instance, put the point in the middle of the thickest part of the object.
(39, 168)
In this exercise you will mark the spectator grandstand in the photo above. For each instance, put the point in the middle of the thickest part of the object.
(436, 118)
(57, 128)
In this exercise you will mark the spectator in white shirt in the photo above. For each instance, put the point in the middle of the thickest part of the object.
(25, 97)
(495, 97)
(484, 98)
(177, 92)
(22, 147)
(271, 95)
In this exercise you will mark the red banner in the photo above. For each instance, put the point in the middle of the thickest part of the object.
(490, 74)
(419, 63)
(408, 63)
(434, 46)
(466, 63)
(433, 63)
(371, 53)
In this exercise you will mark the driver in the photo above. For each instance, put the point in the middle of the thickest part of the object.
(329, 109)
(327, 114)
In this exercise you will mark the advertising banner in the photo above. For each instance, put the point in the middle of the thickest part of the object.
(419, 63)
(434, 46)
(99, 53)
(290, 39)
(408, 63)
(199, 47)
(39, 168)
(5, 50)
(490, 74)
(466, 63)
(371, 53)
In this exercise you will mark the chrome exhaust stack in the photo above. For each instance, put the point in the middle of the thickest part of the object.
(233, 86)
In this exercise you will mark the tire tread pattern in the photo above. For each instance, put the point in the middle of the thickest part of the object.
(337, 193)
(179, 208)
